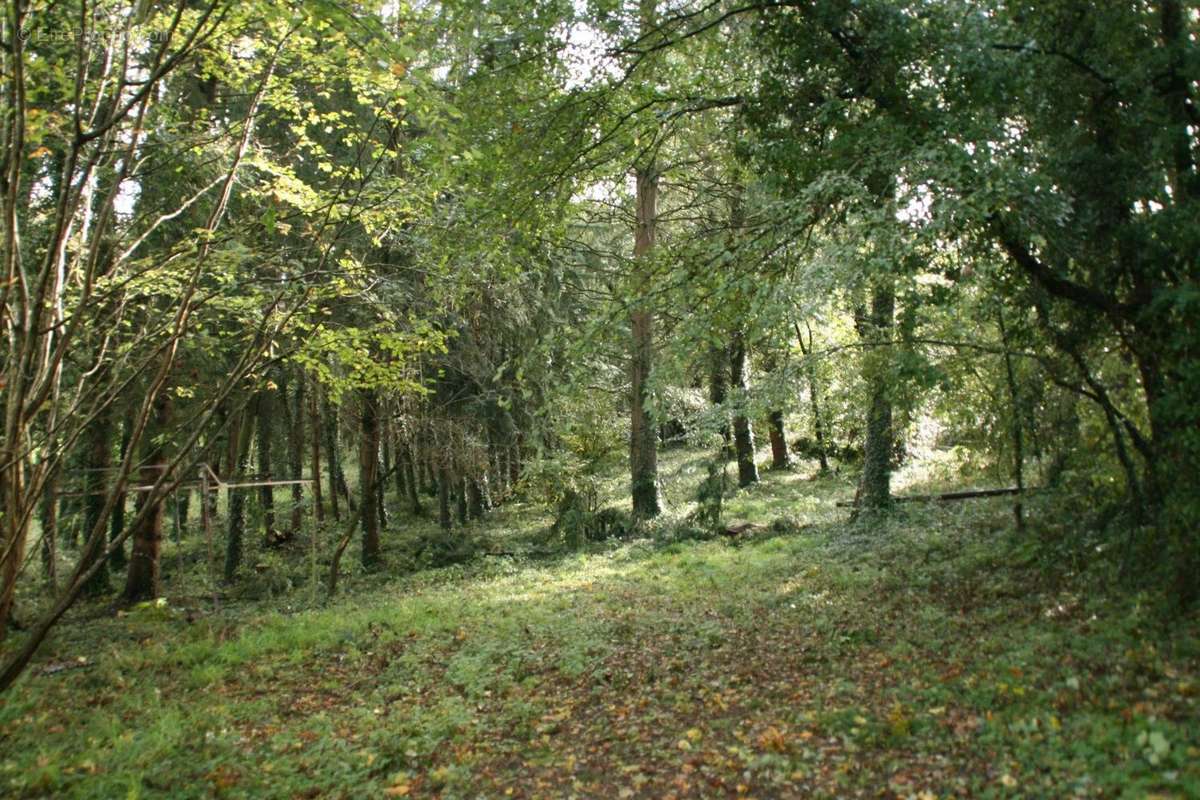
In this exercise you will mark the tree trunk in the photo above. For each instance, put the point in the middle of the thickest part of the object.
(380, 491)
(643, 453)
(330, 429)
(410, 480)
(183, 503)
(98, 441)
(443, 487)
(12, 544)
(743, 432)
(428, 482)
(875, 486)
(475, 499)
(142, 577)
(117, 560)
(142, 580)
(236, 498)
(385, 439)
(49, 520)
(400, 475)
(1017, 433)
(314, 419)
(460, 501)
(718, 391)
(368, 477)
(496, 465)
(780, 457)
(810, 370)
(293, 420)
(266, 469)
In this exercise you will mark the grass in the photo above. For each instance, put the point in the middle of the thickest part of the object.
(925, 655)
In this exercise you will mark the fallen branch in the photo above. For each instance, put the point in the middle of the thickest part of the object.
(945, 496)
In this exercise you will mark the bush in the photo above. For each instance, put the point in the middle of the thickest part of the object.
(438, 548)
(579, 521)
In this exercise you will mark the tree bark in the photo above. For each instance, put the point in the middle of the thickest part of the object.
(49, 520)
(183, 504)
(266, 469)
(142, 579)
(410, 480)
(814, 400)
(1018, 469)
(293, 419)
(98, 441)
(475, 499)
(743, 432)
(443, 491)
(314, 419)
(368, 477)
(236, 498)
(460, 501)
(718, 391)
(329, 428)
(781, 458)
(875, 485)
(643, 452)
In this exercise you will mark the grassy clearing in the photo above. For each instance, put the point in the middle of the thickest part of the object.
(931, 655)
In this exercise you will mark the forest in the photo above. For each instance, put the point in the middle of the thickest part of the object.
(600, 399)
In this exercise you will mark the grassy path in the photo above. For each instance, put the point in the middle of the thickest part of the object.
(910, 660)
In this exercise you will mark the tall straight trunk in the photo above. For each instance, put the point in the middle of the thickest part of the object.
(293, 421)
(425, 481)
(266, 469)
(13, 540)
(410, 480)
(514, 462)
(49, 519)
(876, 482)
(743, 432)
(329, 428)
(780, 457)
(387, 454)
(219, 442)
(814, 400)
(380, 491)
(98, 460)
(314, 419)
(1017, 432)
(718, 391)
(116, 526)
(475, 499)
(369, 476)
(460, 500)
(142, 579)
(643, 452)
(399, 474)
(443, 487)
(236, 498)
(385, 449)
(183, 504)
(496, 467)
